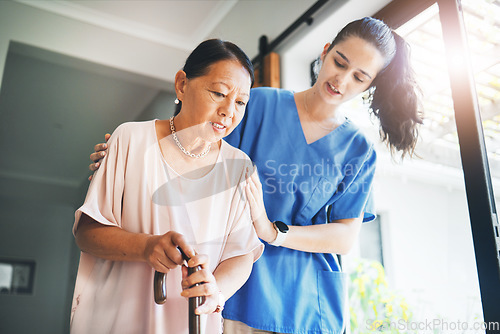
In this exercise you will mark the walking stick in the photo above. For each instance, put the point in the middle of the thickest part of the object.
(160, 295)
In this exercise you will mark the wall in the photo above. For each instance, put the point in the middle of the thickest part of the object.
(41, 232)
(85, 41)
(162, 107)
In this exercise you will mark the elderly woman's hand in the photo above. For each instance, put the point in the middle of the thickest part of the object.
(99, 153)
(263, 226)
(207, 284)
(161, 251)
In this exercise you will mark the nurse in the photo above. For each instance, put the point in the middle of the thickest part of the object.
(316, 170)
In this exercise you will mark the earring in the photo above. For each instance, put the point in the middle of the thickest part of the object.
(176, 101)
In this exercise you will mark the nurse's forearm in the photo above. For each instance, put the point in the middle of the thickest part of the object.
(337, 237)
(232, 273)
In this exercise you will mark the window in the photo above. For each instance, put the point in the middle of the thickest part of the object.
(16, 277)
(429, 273)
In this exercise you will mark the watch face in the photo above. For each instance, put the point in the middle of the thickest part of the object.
(281, 226)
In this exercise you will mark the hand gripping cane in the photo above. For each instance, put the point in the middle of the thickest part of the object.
(160, 294)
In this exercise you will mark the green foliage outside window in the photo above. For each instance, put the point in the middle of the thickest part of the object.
(373, 305)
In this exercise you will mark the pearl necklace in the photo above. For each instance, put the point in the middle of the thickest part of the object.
(314, 121)
(186, 152)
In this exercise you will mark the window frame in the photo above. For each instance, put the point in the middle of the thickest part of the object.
(480, 197)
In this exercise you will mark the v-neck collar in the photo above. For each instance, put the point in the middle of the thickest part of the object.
(296, 120)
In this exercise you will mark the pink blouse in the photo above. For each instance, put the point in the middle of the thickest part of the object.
(135, 189)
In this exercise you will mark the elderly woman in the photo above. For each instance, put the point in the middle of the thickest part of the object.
(164, 185)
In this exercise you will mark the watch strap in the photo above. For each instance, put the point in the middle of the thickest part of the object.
(280, 237)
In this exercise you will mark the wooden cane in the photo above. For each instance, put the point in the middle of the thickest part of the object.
(160, 287)
(160, 295)
(194, 302)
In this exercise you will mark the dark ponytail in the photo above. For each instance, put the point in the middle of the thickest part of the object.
(394, 96)
(395, 101)
(209, 52)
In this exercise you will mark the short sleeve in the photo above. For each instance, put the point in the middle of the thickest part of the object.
(242, 238)
(103, 202)
(356, 191)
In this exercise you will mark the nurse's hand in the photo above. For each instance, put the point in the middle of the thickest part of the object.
(207, 284)
(99, 153)
(263, 226)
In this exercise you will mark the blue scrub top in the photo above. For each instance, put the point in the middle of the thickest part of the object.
(291, 291)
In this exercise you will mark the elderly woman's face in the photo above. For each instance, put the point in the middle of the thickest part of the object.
(216, 101)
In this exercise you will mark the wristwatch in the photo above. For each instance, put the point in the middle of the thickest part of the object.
(282, 230)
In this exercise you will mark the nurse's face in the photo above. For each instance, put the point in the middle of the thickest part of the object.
(348, 69)
(215, 102)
